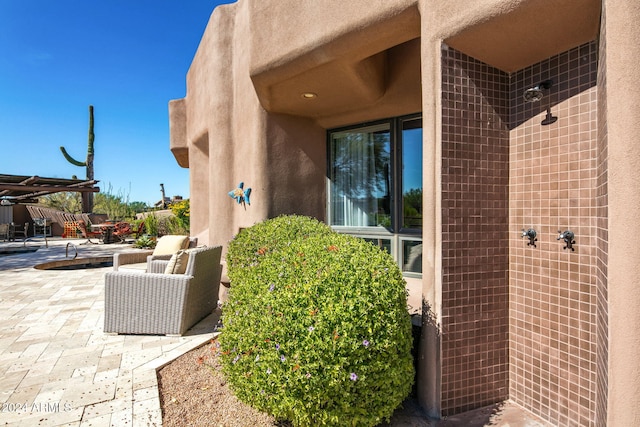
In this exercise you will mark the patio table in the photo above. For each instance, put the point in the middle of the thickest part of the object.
(107, 231)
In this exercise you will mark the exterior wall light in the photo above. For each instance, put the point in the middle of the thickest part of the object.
(309, 95)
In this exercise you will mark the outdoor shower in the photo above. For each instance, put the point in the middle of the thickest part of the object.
(549, 119)
(535, 94)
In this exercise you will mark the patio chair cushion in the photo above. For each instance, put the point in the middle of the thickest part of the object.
(170, 244)
(178, 262)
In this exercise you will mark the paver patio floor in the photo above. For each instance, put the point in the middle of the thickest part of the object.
(57, 366)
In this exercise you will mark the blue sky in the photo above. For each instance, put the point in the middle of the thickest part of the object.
(127, 58)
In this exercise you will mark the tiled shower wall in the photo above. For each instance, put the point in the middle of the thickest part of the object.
(475, 288)
(519, 321)
(553, 186)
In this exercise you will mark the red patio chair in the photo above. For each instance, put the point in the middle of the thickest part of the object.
(139, 231)
(88, 234)
(122, 230)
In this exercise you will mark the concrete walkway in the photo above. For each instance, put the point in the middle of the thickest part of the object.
(57, 367)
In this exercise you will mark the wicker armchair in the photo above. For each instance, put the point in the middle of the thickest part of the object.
(131, 259)
(141, 259)
(163, 304)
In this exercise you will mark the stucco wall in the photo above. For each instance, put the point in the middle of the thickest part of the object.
(230, 139)
(623, 128)
(297, 45)
(243, 119)
(602, 233)
(282, 156)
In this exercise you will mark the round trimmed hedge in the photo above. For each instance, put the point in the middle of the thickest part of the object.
(251, 244)
(316, 329)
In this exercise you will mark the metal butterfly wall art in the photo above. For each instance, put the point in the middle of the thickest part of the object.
(240, 194)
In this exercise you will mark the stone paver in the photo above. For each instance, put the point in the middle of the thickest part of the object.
(57, 366)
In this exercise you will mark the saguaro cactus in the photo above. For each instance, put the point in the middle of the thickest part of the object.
(87, 197)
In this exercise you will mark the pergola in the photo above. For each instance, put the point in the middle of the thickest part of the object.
(27, 189)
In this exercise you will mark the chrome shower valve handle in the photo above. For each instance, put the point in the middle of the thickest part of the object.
(531, 235)
(568, 237)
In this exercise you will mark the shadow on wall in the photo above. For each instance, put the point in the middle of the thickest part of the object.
(427, 404)
(558, 79)
(296, 149)
(564, 76)
(428, 380)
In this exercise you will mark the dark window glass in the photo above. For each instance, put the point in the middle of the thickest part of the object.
(375, 186)
(360, 177)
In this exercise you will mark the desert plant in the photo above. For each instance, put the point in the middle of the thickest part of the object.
(316, 329)
(182, 214)
(115, 206)
(151, 224)
(170, 224)
(138, 207)
(87, 198)
(144, 242)
(64, 201)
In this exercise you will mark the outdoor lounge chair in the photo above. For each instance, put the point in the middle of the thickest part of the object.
(163, 304)
(88, 234)
(138, 231)
(142, 259)
(24, 232)
(122, 231)
(4, 231)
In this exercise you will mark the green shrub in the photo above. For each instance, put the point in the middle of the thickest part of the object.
(316, 330)
(182, 213)
(151, 224)
(145, 242)
(252, 243)
(169, 224)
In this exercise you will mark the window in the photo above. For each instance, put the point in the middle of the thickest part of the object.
(375, 186)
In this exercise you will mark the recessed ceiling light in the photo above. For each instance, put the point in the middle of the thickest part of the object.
(309, 95)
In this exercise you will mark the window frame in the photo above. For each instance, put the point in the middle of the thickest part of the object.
(396, 234)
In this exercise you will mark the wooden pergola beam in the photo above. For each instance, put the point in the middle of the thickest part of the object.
(26, 189)
(54, 188)
(24, 182)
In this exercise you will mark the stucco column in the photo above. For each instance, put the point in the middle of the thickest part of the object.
(429, 376)
(623, 111)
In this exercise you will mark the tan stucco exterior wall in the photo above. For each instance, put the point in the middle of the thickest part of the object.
(243, 66)
(623, 126)
(243, 119)
(232, 139)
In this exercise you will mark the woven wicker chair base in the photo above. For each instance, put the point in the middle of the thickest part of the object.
(163, 304)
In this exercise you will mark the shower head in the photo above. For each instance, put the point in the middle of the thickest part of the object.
(535, 93)
(549, 119)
